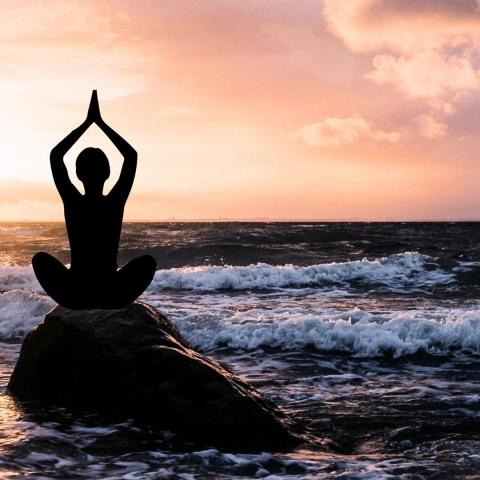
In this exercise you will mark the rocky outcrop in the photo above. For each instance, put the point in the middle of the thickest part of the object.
(134, 360)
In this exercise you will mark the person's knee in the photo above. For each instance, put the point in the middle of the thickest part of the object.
(145, 263)
(47, 267)
(149, 263)
(40, 259)
(142, 267)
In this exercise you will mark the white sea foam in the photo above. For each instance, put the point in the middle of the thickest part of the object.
(210, 323)
(15, 277)
(356, 332)
(394, 272)
(20, 311)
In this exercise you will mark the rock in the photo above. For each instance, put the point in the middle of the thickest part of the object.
(134, 360)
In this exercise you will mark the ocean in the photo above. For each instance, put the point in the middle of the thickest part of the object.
(366, 334)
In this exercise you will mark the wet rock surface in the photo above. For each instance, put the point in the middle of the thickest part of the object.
(134, 360)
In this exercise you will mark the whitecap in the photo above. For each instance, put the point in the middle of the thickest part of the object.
(405, 270)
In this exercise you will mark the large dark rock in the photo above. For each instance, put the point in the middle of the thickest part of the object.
(134, 360)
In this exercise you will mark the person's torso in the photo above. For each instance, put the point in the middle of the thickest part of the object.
(93, 227)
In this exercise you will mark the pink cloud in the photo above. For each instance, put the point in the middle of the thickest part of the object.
(424, 49)
(340, 131)
(426, 126)
(406, 26)
(428, 74)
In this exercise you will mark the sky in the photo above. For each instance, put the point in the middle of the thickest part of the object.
(240, 109)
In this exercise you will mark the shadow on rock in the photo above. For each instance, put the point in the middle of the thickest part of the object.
(135, 361)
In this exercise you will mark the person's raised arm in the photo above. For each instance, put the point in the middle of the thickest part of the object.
(59, 170)
(129, 167)
(127, 174)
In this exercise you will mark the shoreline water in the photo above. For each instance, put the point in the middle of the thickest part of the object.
(379, 356)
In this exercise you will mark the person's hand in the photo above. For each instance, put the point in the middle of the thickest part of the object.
(93, 115)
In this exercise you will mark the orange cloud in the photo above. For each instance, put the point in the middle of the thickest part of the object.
(426, 126)
(404, 26)
(428, 46)
(58, 50)
(338, 131)
(343, 131)
(426, 74)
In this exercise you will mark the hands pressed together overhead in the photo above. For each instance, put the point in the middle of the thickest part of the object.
(93, 115)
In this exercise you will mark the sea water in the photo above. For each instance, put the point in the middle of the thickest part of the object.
(366, 334)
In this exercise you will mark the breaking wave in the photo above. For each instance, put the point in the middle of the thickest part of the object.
(20, 311)
(396, 272)
(440, 332)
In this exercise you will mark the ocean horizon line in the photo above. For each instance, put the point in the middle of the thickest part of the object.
(267, 220)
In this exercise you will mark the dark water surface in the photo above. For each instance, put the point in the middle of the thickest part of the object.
(368, 334)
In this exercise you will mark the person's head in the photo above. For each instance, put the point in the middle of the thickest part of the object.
(92, 168)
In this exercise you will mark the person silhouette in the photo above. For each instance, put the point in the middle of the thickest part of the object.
(94, 223)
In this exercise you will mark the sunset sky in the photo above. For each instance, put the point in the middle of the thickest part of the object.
(306, 109)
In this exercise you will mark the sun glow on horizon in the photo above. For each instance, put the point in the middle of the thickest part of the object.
(248, 109)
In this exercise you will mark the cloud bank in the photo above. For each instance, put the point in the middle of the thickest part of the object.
(424, 49)
(340, 131)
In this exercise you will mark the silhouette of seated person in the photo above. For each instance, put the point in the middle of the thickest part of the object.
(93, 222)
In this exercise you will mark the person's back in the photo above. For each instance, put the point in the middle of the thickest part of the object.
(93, 226)
(94, 223)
